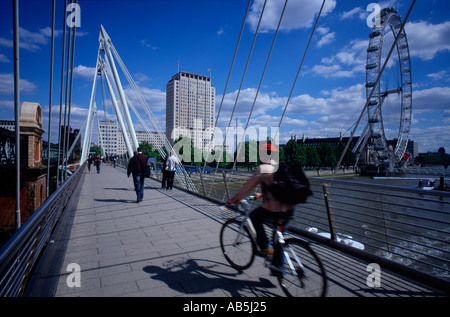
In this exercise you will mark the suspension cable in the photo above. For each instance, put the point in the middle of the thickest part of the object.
(259, 86)
(243, 76)
(70, 98)
(229, 75)
(50, 98)
(61, 94)
(63, 174)
(299, 69)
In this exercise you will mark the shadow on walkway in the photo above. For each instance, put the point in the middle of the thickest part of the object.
(197, 276)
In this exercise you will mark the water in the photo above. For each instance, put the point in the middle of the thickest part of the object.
(408, 227)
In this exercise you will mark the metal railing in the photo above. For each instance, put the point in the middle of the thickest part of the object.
(406, 228)
(20, 253)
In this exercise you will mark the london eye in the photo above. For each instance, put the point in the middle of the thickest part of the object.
(384, 141)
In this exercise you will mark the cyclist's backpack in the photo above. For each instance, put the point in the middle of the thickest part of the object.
(291, 186)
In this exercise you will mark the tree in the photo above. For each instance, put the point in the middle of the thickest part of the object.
(147, 149)
(96, 149)
(187, 152)
(312, 157)
(327, 155)
(294, 153)
(248, 155)
(225, 162)
(349, 158)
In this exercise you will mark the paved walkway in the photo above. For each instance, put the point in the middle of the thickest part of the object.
(168, 245)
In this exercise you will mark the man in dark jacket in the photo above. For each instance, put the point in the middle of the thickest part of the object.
(136, 166)
(164, 173)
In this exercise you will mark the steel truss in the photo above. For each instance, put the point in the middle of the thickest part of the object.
(107, 58)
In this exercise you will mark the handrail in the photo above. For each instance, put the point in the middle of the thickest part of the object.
(404, 228)
(19, 254)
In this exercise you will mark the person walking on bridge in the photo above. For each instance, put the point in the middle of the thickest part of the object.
(90, 161)
(98, 163)
(171, 164)
(136, 167)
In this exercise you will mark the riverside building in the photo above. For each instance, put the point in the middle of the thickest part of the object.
(190, 109)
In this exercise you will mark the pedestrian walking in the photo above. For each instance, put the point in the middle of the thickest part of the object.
(164, 173)
(171, 164)
(90, 161)
(98, 163)
(136, 167)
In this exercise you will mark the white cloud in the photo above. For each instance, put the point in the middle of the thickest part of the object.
(432, 138)
(362, 13)
(146, 43)
(30, 40)
(141, 77)
(446, 116)
(78, 116)
(298, 14)
(7, 85)
(84, 72)
(273, 121)
(6, 42)
(438, 75)
(345, 101)
(47, 31)
(432, 99)
(352, 13)
(326, 38)
(264, 102)
(6, 108)
(155, 98)
(3, 59)
(350, 61)
(425, 40)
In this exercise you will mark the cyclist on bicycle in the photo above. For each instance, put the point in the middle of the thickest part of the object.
(270, 209)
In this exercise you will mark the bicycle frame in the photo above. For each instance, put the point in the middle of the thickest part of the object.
(277, 237)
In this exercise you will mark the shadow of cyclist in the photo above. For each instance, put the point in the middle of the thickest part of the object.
(188, 277)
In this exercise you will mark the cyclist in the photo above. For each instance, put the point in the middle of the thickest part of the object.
(270, 209)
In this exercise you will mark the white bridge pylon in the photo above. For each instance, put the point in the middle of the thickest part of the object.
(106, 67)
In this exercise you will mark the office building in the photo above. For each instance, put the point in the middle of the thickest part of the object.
(113, 142)
(190, 109)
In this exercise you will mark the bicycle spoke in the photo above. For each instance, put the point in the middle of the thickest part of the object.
(302, 273)
(236, 244)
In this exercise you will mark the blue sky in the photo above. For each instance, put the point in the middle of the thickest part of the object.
(152, 36)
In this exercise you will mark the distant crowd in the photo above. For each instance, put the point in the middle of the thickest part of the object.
(97, 161)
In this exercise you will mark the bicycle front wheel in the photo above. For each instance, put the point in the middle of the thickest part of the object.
(237, 245)
(302, 274)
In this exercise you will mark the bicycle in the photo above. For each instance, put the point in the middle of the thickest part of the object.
(299, 271)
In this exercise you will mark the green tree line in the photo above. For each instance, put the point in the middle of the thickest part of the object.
(308, 156)
(325, 155)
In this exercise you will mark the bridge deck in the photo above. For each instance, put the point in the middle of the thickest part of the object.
(168, 245)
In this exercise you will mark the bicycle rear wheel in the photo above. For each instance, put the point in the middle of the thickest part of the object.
(237, 245)
(302, 274)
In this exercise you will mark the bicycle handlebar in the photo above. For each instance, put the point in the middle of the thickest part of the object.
(243, 205)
